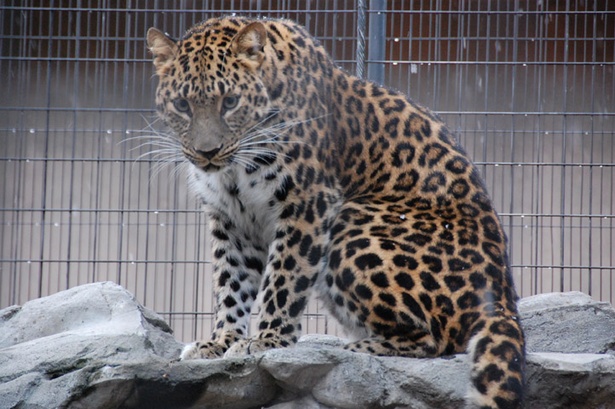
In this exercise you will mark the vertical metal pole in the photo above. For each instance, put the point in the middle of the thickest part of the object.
(377, 40)
(360, 70)
(562, 238)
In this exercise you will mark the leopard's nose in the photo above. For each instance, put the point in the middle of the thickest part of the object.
(208, 154)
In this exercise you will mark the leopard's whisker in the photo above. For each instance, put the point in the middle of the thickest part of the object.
(244, 161)
(276, 131)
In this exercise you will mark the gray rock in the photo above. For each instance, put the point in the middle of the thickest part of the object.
(567, 322)
(53, 347)
(575, 381)
(95, 347)
(220, 383)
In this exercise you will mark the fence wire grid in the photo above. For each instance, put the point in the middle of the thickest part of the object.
(527, 86)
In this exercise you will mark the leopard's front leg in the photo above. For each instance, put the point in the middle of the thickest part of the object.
(238, 267)
(295, 260)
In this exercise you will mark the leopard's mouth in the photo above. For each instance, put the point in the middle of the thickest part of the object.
(209, 167)
(225, 156)
(204, 161)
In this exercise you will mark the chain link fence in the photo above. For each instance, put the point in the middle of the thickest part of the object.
(527, 86)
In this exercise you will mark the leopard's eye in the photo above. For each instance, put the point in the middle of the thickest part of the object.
(181, 104)
(230, 102)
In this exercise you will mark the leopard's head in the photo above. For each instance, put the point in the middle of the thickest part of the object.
(211, 91)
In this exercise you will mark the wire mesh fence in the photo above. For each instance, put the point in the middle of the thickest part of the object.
(527, 86)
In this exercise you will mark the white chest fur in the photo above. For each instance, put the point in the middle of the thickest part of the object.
(246, 199)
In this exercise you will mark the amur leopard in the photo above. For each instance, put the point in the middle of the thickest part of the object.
(317, 182)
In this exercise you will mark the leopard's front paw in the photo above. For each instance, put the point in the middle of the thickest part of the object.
(255, 345)
(202, 350)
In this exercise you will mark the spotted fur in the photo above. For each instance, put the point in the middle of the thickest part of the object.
(315, 181)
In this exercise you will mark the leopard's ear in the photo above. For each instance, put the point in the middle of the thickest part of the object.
(164, 49)
(248, 44)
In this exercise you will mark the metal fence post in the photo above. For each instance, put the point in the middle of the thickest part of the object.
(377, 40)
(360, 54)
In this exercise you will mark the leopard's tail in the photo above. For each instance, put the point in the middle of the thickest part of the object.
(497, 351)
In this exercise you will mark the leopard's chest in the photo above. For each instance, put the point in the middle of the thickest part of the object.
(246, 199)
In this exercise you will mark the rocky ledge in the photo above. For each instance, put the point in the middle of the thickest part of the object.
(95, 346)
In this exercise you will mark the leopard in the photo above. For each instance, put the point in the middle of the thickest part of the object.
(317, 183)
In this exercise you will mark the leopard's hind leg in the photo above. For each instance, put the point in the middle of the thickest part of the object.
(418, 345)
